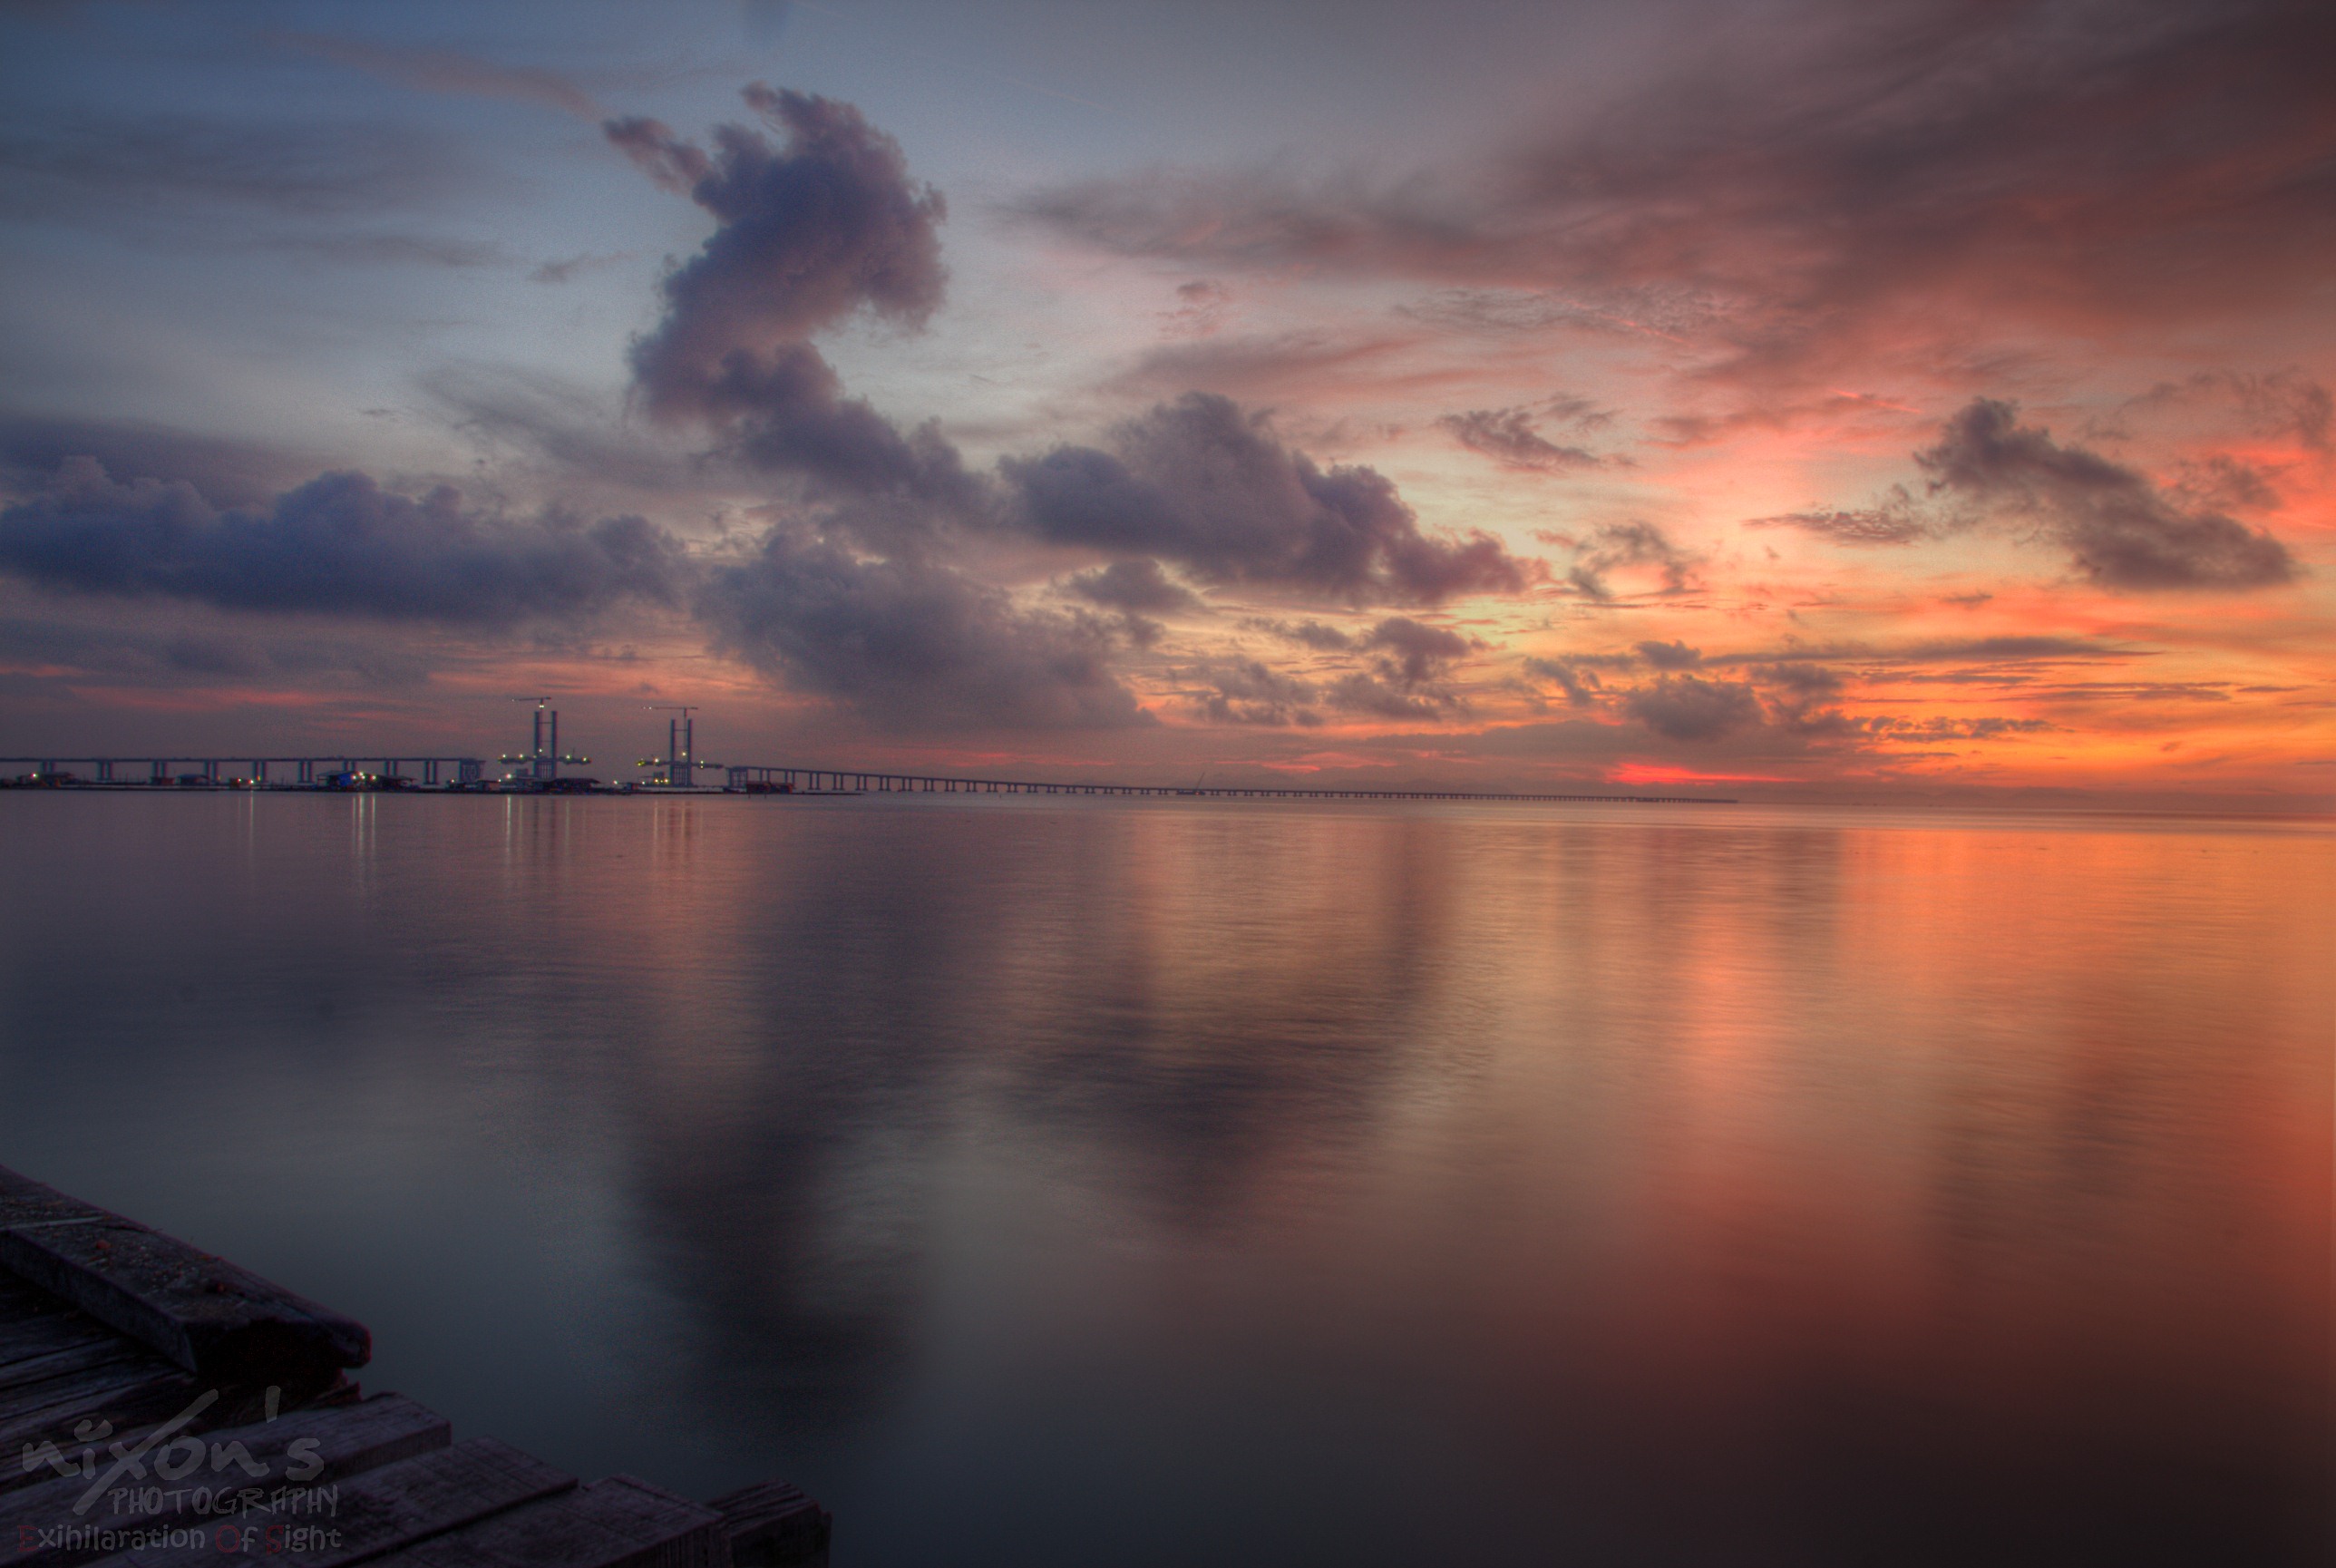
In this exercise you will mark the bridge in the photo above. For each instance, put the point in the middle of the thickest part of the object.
(855, 781)
(469, 773)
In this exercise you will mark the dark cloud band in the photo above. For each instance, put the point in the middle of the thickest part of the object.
(338, 544)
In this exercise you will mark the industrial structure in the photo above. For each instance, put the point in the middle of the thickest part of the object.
(341, 771)
(543, 758)
(678, 769)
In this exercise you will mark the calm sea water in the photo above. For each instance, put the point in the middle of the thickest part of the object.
(1077, 1183)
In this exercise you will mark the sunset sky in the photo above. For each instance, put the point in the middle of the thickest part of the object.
(1864, 399)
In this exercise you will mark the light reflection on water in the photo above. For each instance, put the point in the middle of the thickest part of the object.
(1061, 1182)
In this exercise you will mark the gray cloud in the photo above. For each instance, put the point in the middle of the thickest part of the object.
(376, 249)
(567, 430)
(130, 166)
(910, 643)
(1803, 680)
(568, 268)
(445, 71)
(1507, 437)
(337, 544)
(1415, 655)
(1363, 694)
(34, 447)
(2284, 403)
(1408, 673)
(1929, 729)
(1133, 585)
(1580, 685)
(813, 231)
(1670, 655)
(1825, 168)
(1615, 546)
(1896, 519)
(141, 646)
(2122, 531)
(1247, 691)
(1966, 650)
(1198, 482)
(1202, 307)
(1312, 633)
(1688, 708)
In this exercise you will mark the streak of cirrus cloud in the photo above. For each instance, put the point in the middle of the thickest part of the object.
(1851, 176)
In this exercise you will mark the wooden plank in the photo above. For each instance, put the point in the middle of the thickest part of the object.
(27, 1337)
(379, 1511)
(42, 1523)
(39, 1381)
(26, 1309)
(618, 1522)
(25, 1201)
(29, 1372)
(201, 1311)
(134, 1385)
(772, 1523)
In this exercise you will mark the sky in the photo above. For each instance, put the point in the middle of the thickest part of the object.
(1898, 399)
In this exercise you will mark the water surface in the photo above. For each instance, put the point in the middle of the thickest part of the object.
(1060, 1182)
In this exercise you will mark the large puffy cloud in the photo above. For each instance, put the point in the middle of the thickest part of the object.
(1408, 674)
(911, 643)
(810, 231)
(1202, 483)
(1415, 654)
(1670, 655)
(34, 449)
(1134, 586)
(1688, 707)
(337, 544)
(2121, 530)
(827, 224)
(1580, 684)
(1248, 691)
(1842, 166)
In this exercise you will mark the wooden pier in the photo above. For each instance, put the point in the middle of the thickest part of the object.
(161, 1407)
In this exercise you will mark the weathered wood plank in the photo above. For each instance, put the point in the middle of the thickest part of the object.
(47, 1530)
(28, 1338)
(201, 1311)
(29, 1372)
(379, 1511)
(25, 1201)
(772, 1523)
(128, 1384)
(618, 1522)
(29, 1315)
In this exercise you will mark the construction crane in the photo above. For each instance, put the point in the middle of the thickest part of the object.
(544, 756)
(680, 760)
